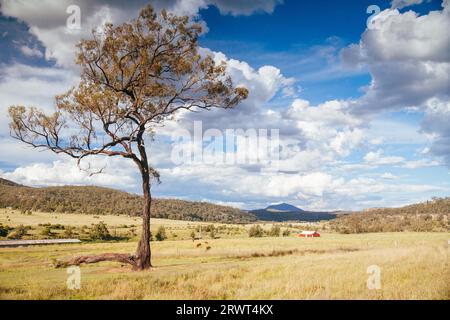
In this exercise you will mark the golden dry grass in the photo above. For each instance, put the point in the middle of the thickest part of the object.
(14, 218)
(413, 266)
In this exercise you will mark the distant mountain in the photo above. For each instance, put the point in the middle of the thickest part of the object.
(286, 212)
(283, 207)
(98, 201)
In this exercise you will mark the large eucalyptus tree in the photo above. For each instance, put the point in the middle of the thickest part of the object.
(133, 77)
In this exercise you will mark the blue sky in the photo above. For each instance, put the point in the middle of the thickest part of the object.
(363, 113)
(292, 36)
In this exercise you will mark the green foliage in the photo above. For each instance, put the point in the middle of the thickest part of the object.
(161, 234)
(99, 231)
(4, 230)
(275, 231)
(255, 231)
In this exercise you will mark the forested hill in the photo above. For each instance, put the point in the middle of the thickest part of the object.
(98, 201)
(433, 206)
(4, 182)
(432, 215)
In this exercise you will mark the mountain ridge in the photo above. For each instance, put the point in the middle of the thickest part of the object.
(283, 207)
(284, 212)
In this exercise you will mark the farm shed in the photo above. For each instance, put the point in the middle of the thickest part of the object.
(309, 234)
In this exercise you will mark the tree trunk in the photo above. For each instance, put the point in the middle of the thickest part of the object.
(143, 252)
(118, 257)
(142, 259)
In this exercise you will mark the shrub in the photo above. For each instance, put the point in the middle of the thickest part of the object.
(193, 235)
(99, 232)
(4, 230)
(47, 231)
(286, 233)
(212, 233)
(161, 234)
(255, 231)
(69, 232)
(275, 231)
(18, 232)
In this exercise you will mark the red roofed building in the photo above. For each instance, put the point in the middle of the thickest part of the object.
(309, 234)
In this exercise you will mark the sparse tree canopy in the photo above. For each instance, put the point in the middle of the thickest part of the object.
(133, 77)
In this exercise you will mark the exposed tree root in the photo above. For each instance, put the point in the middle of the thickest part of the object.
(118, 257)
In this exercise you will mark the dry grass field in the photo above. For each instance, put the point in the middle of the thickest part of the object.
(413, 266)
(116, 224)
(176, 229)
(15, 218)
